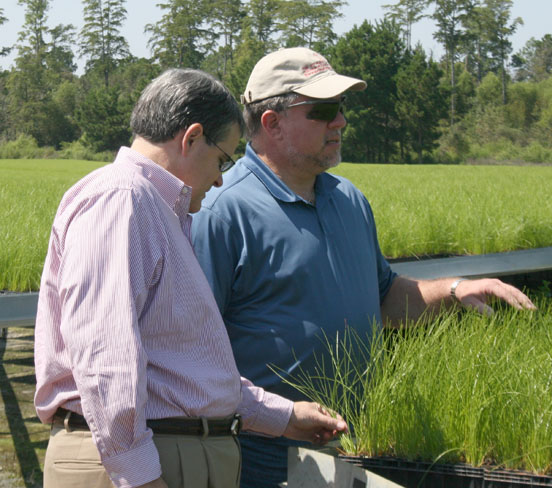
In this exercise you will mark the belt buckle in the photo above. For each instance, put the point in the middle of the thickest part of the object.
(235, 425)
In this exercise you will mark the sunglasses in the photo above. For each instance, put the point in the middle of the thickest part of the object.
(326, 110)
(223, 165)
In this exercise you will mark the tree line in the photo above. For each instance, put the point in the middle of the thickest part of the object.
(479, 101)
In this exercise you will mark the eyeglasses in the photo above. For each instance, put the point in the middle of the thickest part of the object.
(322, 109)
(223, 165)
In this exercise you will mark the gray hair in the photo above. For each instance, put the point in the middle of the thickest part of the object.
(179, 98)
(254, 111)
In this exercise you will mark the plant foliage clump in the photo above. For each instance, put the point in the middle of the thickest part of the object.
(459, 388)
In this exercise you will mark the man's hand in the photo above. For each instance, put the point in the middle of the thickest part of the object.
(158, 483)
(474, 294)
(310, 422)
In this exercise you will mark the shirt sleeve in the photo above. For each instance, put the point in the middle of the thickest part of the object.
(262, 411)
(109, 256)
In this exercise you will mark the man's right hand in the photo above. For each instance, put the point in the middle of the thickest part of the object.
(158, 483)
(311, 422)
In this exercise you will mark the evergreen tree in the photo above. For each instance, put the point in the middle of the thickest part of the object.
(261, 16)
(182, 37)
(32, 36)
(249, 50)
(534, 60)
(373, 54)
(60, 58)
(3, 105)
(44, 61)
(406, 13)
(421, 102)
(226, 19)
(475, 43)
(28, 87)
(449, 15)
(101, 41)
(4, 51)
(465, 91)
(308, 23)
(499, 31)
(103, 119)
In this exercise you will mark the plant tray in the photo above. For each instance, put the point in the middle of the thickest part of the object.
(414, 474)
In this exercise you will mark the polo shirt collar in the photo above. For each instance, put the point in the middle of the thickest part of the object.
(323, 186)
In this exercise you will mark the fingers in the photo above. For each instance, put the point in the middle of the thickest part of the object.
(328, 412)
(478, 305)
(321, 438)
(328, 422)
(312, 422)
(517, 299)
(475, 293)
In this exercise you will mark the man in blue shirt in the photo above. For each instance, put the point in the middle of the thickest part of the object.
(291, 252)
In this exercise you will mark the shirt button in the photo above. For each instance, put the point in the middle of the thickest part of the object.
(184, 191)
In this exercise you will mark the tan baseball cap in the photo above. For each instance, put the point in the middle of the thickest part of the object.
(297, 70)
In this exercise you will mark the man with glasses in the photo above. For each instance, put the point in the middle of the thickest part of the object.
(134, 367)
(291, 251)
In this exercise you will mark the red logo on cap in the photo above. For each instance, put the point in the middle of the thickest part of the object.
(317, 67)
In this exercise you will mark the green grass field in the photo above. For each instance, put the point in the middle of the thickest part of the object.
(30, 191)
(419, 210)
(438, 209)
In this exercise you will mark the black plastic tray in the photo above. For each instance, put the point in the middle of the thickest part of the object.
(417, 474)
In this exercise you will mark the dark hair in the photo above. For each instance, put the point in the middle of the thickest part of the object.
(254, 111)
(179, 98)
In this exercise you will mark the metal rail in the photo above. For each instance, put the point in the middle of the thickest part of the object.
(484, 265)
(19, 309)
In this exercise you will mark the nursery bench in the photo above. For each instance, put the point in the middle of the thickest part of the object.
(484, 265)
(19, 309)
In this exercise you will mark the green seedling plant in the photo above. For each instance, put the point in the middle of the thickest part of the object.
(30, 191)
(419, 209)
(455, 210)
(460, 387)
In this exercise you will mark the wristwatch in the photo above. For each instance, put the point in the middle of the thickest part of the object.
(453, 287)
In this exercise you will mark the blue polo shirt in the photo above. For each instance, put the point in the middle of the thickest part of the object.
(283, 270)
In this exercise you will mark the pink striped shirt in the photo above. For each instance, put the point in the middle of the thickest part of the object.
(127, 328)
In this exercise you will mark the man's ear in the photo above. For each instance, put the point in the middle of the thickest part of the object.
(270, 121)
(191, 135)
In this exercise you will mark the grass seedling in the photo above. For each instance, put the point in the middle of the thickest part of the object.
(456, 388)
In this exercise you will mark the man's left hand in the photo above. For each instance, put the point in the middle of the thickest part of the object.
(311, 422)
(474, 294)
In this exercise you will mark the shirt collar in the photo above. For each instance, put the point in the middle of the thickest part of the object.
(175, 193)
(324, 183)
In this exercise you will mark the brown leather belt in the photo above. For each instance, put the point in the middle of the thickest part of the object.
(175, 426)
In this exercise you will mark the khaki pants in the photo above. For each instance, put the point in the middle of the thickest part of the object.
(72, 461)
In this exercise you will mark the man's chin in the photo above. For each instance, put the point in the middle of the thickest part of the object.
(332, 163)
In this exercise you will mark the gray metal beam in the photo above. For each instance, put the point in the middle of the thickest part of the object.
(484, 265)
(18, 309)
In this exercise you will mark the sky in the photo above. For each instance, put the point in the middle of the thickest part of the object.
(536, 15)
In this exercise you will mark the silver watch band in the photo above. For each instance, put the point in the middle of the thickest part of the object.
(453, 287)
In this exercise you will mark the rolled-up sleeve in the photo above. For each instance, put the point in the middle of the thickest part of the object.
(262, 411)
